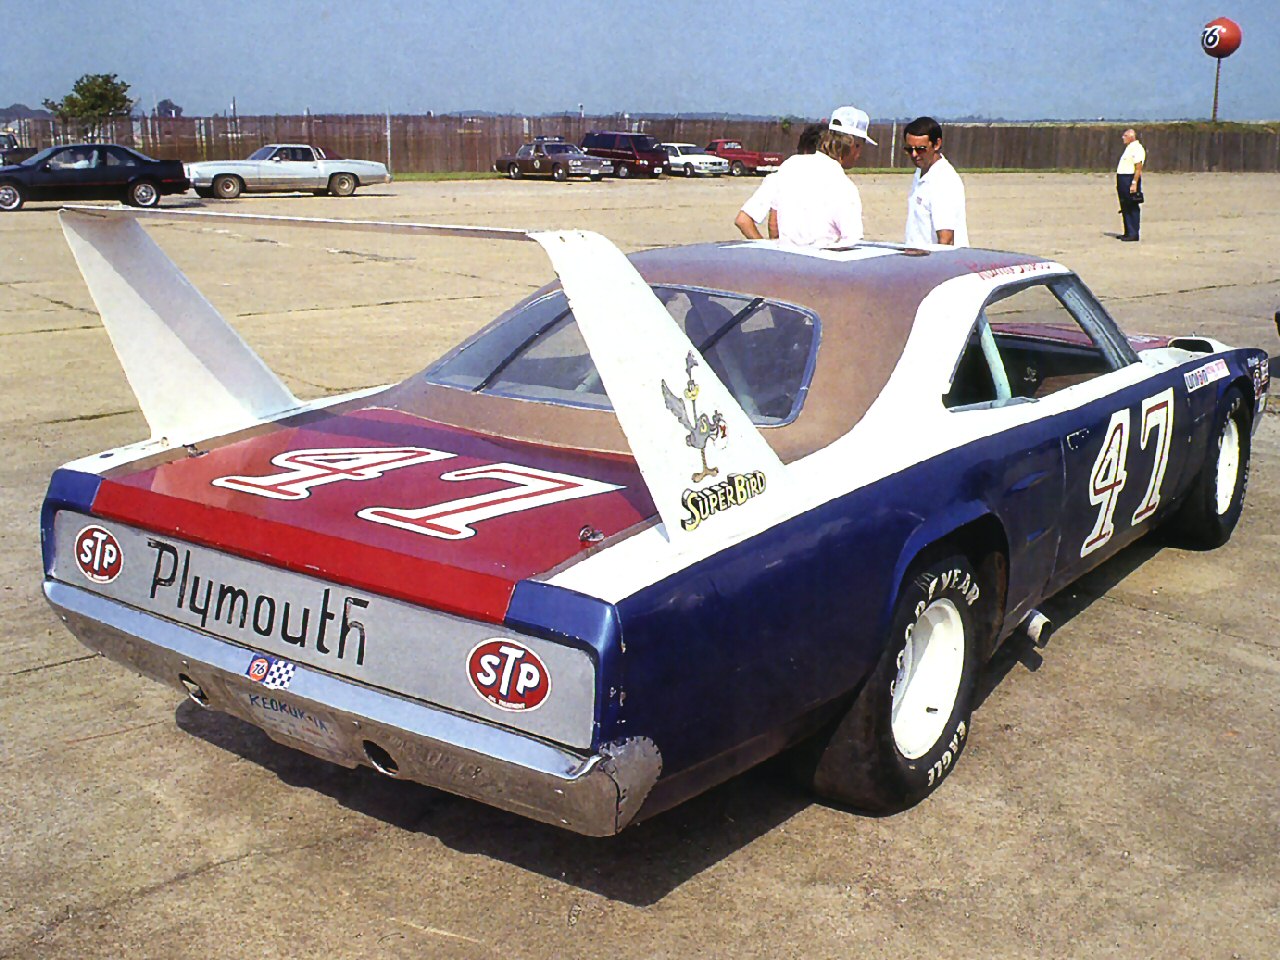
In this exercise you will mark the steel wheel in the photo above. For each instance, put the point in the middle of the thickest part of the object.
(226, 187)
(1228, 467)
(930, 667)
(342, 184)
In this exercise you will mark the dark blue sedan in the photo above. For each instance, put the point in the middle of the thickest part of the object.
(90, 171)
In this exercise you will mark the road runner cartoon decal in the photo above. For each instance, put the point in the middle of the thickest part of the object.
(703, 429)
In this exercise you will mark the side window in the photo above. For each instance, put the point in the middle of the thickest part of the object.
(1033, 340)
(525, 151)
(119, 158)
(590, 140)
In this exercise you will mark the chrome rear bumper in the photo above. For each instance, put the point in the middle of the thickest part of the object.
(349, 723)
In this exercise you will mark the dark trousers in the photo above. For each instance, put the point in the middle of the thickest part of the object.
(1130, 211)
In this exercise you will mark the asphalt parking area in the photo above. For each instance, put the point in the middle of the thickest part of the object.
(1117, 799)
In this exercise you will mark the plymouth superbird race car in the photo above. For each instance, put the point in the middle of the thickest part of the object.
(666, 517)
(282, 168)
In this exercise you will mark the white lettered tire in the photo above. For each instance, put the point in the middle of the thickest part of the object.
(909, 723)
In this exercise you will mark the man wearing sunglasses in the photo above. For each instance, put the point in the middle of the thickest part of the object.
(935, 207)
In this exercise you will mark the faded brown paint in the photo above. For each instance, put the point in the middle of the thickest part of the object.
(866, 309)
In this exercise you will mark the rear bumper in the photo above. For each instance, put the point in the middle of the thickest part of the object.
(350, 724)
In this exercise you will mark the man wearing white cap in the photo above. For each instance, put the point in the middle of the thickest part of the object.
(817, 204)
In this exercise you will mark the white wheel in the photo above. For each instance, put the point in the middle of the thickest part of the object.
(1228, 470)
(930, 667)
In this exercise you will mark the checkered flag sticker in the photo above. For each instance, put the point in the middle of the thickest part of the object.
(271, 673)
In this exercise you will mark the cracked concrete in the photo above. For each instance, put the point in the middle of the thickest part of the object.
(1118, 798)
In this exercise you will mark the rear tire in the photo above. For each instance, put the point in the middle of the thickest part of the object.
(227, 187)
(342, 184)
(11, 197)
(737, 168)
(908, 724)
(144, 193)
(1216, 498)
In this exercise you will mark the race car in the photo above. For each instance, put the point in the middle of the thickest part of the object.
(666, 517)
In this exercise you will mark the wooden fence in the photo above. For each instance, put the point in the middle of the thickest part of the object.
(413, 144)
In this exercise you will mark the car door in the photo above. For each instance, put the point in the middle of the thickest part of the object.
(118, 168)
(538, 161)
(68, 174)
(295, 169)
(1118, 420)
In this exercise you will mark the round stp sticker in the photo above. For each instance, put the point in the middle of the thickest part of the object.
(508, 674)
(98, 554)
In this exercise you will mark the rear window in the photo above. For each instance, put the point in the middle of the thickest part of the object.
(762, 350)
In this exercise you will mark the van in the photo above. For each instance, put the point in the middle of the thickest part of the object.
(633, 154)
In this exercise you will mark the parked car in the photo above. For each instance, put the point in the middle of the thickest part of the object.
(90, 171)
(632, 154)
(691, 160)
(11, 151)
(284, 168)
(552, 157)
(743, 161)
(584, 569)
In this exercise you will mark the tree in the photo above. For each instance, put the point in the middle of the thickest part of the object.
(94, 97)
(167, 108)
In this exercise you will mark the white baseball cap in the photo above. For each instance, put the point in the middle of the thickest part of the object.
(852, 121)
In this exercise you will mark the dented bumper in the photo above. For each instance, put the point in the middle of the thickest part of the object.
(352, 724)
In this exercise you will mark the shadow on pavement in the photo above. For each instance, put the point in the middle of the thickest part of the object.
(639, 867)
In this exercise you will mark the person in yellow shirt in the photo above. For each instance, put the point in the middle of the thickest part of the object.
(1129, 184)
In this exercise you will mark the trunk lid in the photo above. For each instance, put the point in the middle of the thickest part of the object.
(388, 502)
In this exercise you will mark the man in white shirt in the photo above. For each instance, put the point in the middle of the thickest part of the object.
(1129, 184)
(817, 204)
(935, 207)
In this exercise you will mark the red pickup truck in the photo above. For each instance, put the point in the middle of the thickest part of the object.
(742, 160)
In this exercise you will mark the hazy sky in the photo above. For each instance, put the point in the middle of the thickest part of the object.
(1023, 59)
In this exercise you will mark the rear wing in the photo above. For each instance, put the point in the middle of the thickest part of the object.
(195, 377)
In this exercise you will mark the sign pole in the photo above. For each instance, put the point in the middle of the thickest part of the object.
(1217, 77)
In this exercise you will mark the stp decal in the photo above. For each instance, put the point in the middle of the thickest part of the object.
(98, 554)
(508, 674)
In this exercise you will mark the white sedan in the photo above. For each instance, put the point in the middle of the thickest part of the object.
(692, 160)
(284, 167)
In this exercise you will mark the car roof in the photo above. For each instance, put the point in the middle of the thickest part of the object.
(865, 297)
